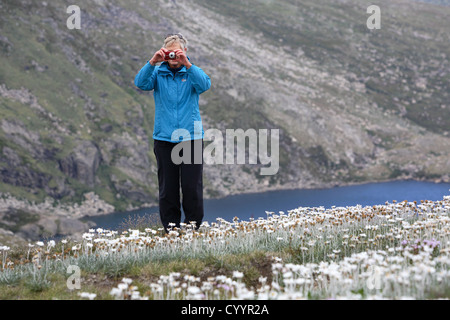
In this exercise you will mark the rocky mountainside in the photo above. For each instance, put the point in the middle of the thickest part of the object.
(439, 2)
(352, 104)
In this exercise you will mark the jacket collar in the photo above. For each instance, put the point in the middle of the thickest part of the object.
(164, 67)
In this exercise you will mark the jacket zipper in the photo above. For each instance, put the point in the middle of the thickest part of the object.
(176, 95)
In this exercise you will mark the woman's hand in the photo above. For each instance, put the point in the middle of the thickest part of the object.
(182, 58)
(157, 57)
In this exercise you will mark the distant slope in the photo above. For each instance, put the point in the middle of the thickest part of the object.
(351, 104)
(439, 2)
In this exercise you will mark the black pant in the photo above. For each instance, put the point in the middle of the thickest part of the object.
(170, 175)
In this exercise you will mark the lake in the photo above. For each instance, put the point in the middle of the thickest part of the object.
(255, 205)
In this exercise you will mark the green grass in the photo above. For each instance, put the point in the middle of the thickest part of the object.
(253, 265)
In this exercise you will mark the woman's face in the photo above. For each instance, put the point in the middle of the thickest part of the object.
(174, 63)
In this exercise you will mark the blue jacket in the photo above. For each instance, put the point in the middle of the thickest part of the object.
(176, 98)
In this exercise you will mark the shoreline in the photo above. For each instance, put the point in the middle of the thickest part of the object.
(31, 222)
(93, 206)
(314, 187)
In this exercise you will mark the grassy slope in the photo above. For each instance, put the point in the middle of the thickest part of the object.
(38, 40)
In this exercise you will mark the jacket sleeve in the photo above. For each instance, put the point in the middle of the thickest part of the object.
(146, 77)
(199, 79)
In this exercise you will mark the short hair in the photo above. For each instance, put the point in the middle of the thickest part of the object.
(175, 38)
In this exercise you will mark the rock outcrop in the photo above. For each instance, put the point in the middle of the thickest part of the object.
(82, 163)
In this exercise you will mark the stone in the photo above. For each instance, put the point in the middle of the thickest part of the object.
(48, 225)
(69, 226)
(82, 163)
(30, 232)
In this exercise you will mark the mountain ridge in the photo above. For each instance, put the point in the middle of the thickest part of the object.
(353, 105)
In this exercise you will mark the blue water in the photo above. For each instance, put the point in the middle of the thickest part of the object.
(255, 205)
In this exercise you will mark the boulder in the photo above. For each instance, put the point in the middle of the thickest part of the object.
(30, 232)
(82, 163)
(8, 238)
(48, 226)
(69, 226)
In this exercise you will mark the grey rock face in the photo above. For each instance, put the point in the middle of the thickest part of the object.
(82, 163)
